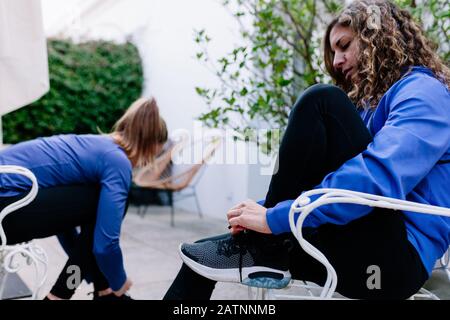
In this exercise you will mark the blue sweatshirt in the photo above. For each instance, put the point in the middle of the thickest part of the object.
(409, 159)
(77, 159)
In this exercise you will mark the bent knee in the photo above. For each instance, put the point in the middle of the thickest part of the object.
(316, 93)
(321, 90)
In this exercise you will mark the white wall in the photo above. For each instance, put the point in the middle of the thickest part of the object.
(172, 73)
(163, 31)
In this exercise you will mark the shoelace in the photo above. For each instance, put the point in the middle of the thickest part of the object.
(232, 246)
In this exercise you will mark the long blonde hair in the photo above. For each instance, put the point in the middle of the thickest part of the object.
(140, 130)
(385, 52)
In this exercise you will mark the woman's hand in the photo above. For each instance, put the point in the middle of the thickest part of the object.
(126, 286)
(248, 215)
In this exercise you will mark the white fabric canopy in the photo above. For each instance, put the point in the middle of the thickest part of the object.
(23, 54)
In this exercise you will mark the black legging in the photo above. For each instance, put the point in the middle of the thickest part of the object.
(324, 131)
(56, 211)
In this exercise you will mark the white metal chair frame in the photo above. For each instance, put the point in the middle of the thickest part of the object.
(304, 207)
(29, 252)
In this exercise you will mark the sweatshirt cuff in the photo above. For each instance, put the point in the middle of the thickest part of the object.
(118, 282)
(110, 264)
(278, 217)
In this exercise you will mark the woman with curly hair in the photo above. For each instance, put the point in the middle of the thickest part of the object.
(384, 129)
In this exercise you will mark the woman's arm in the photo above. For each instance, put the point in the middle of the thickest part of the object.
(115, 184)
(414, 137)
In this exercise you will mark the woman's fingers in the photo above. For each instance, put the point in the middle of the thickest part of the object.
(237, 222)
(238, 206)
(251, 219)
(234, 213)
(241, 223)
(236, 229)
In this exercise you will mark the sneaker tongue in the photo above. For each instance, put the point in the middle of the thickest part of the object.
(267, 243)
(240, 236)
(255, 242)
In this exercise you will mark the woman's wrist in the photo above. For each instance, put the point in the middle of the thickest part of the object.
(105, 292)
(126, 286)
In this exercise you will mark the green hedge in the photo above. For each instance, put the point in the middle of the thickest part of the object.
(91, 84)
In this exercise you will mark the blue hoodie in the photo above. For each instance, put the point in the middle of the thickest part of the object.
(409, 159)
(78, 159)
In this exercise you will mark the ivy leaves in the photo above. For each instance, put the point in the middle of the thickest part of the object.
(91, 84)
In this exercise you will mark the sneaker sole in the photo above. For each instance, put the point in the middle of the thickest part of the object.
(261, 277)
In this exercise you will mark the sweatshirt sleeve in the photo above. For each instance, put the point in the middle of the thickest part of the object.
(414, 137)
(115, 184)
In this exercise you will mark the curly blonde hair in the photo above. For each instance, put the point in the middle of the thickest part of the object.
(387, 50)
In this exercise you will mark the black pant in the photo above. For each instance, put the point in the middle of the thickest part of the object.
(324, 131)
(56, 211)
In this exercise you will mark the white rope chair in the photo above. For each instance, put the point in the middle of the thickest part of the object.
(14, 257)
(303, 206)
(444, 264)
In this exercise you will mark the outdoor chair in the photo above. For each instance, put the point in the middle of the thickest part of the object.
(304, 206)
(14, 257)
(181, 181)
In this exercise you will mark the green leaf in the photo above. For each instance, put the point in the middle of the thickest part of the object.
(278, 57)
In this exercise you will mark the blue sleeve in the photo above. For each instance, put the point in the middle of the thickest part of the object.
(115, 184)
(414, 137)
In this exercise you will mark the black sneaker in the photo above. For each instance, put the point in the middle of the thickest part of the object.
(111, 297)
(245, 258)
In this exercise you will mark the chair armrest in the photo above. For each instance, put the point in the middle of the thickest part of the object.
(20, 203)
(304, 207)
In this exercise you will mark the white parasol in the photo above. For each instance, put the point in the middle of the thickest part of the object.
(23, 55)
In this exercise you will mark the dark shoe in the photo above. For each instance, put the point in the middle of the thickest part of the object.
(111, 297)
(250, 259)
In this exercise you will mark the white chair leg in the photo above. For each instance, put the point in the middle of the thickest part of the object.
(12, 257)
(3, 278)
(445, 263)
(255, 293)
(18, 256)
(424, 294)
